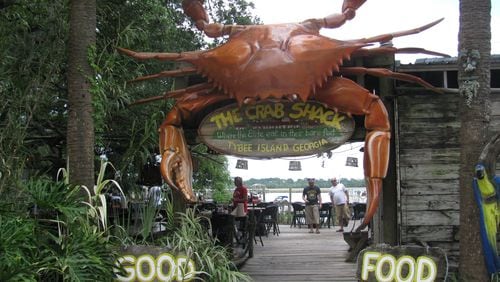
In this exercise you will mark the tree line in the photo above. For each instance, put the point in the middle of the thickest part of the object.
(276, 182)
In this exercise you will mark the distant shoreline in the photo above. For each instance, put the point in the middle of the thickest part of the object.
(270, 194)
(283, 190)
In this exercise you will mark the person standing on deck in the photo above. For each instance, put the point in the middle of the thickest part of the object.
(340, 200)
(240, 194)
(312, 197)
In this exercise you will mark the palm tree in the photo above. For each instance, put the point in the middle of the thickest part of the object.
(80, 135)
(474, 83)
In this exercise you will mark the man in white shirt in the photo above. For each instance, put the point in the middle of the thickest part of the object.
(340, 200)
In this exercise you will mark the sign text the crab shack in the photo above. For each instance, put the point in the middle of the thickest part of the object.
(275, 129)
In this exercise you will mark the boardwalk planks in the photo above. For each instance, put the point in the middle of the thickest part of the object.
(296, 255)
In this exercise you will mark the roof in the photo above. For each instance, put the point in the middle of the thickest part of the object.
(428, 64)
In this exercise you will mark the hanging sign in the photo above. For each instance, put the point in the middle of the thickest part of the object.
(294, 166)
(242, 164)
(351, 161)
(275, 129)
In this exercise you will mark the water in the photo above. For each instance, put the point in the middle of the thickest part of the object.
(356, 195)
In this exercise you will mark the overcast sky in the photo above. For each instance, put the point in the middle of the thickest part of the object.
(376, 17)
(312, 166)
(373, 18)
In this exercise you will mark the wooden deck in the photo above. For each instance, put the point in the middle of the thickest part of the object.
(296, 255)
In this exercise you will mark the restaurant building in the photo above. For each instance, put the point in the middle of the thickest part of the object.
(420, 202)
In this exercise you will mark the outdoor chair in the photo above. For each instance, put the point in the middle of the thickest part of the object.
(241, 230)
(298, 214)
(260, 227)
(269, 218)
(325, 214)
(359, 210)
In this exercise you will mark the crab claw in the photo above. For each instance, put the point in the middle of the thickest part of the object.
(195, 10)
(374, 187)
(349, 7)
(176, 166)
(375, 163)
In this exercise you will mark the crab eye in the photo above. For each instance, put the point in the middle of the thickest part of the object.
(249, 101)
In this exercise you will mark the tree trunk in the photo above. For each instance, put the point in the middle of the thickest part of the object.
(80, 135)
(474, 83)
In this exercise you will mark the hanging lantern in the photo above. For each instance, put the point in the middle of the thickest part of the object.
(294, 166)
(351, 161)
(242, 164)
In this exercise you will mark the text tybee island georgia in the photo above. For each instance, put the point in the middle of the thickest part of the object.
(275, 129)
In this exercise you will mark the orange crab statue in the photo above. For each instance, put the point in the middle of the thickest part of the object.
(272, 62)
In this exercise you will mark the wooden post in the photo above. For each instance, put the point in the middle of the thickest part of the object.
(390, 188)
(179, 205)
(384, 223)
(251, 233)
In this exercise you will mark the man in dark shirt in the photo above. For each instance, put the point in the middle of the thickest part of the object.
(312, 197)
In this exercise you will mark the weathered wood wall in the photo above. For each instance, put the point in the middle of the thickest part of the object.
(428, 150)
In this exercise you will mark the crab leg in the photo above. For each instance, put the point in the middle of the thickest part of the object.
(198, 89)
(390, 36)
(176, 164)
(381, 72)
(171, 73)
(182, 56)
(389, 50)
(195, 10)
(344, 95)
(349, 8)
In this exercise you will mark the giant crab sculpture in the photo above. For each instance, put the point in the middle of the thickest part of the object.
(280, 61)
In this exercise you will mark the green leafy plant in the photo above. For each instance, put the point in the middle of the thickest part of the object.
(222, 196)
(56, 240)
(150, 212)
(79, 254)
(18, 249)
(285, 217)
(212, 260)
(97, 200)
(187, 235)
(70, 244)
(212, 173)
(53, 199)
